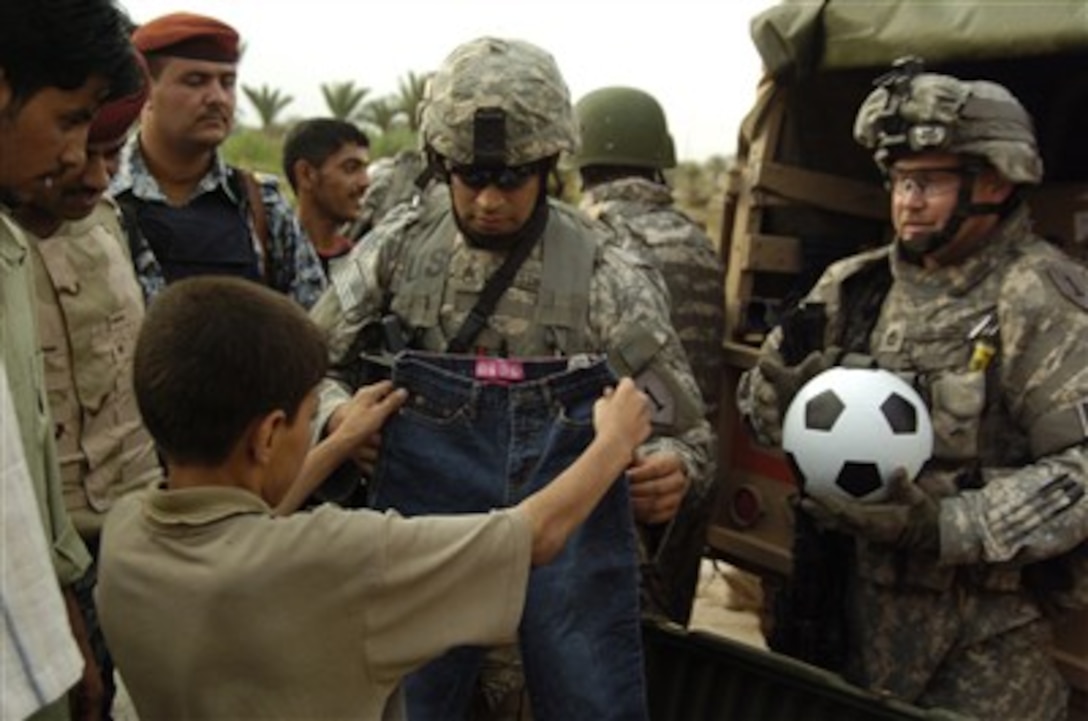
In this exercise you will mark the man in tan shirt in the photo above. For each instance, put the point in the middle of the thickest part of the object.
(89, 308)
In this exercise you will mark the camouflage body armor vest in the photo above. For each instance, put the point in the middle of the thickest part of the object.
(973, 427)
(543, 313)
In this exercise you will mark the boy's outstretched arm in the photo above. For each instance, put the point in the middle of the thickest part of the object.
(621, 418)
(366, 412)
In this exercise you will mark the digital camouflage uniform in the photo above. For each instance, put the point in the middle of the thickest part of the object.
(694, 275)
(578, 291)
(625, 300)
(292, 265)
(624, 151)
(687, 259)
(392, 182)
(962, 627)
(985, 644)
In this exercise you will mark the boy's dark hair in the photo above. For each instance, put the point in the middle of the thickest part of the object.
(63, 43)
(215, 354)
(314, 140)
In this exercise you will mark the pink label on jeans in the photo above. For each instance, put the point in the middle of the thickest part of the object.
(500, 370)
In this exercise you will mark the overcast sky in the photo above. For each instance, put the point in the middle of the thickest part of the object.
(695, 56)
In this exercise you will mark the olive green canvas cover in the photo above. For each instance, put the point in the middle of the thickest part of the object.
(799, 37)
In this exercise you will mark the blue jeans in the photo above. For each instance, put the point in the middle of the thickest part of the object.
(465, 445)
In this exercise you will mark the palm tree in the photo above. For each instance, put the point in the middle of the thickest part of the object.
(345, 99)
(410, 95)
(380, 115)
(268, 102)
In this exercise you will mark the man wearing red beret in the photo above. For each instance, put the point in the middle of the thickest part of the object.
(88, 300)
(195, 214)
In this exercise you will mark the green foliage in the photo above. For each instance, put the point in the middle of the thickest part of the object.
(255, 150)
(381, 115)
(393, 141)
(268, 102)
(410, 96)
(344, 100)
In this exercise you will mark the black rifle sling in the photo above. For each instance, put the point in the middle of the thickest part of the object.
(496, 285)
(130, 211)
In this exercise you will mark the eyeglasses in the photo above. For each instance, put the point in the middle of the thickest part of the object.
(503, 177)
(930, 182)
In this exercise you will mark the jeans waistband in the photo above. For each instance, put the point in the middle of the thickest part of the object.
(467, 378)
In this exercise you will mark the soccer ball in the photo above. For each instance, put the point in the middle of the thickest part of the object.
(848, 429)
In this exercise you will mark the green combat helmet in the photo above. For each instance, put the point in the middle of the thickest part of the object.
(623, 127)
(498, 102)
(913, 112)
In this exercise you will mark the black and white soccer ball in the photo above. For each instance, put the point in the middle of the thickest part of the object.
(848, 429)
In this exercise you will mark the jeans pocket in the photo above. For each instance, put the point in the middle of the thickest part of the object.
(576, 417)
(439, 412)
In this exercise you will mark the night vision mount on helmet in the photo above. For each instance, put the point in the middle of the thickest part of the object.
(912, 111)
(498, 102)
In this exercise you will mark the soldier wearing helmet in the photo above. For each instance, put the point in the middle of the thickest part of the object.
(972, 139)
(487, 267)
(954, 580)
(625, 149)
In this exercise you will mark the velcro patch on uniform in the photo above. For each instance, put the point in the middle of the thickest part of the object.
(662, 402)
(1072, 282)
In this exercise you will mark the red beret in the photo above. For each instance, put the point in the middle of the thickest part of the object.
(114, 118)
(186, 35)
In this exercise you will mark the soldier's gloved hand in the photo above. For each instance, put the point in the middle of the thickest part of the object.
(782, 383)
(908, 519)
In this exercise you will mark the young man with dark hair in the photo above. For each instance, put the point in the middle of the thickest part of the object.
(325, 161)
(216, 608)
(87, 300)
(59, 60)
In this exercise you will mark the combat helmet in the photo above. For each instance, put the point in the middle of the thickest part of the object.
(498, 102)
(625, 127)
(911, 111)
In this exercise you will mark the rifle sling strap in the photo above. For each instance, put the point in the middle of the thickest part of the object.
(251, 187)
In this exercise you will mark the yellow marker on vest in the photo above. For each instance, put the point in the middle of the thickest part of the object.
(981, 355)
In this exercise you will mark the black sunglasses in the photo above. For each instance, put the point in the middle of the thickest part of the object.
(503, 177)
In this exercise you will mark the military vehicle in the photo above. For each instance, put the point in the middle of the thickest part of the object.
(803, 194)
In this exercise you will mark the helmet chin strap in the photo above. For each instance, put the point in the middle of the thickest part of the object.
(915, 249)
(532, 229)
